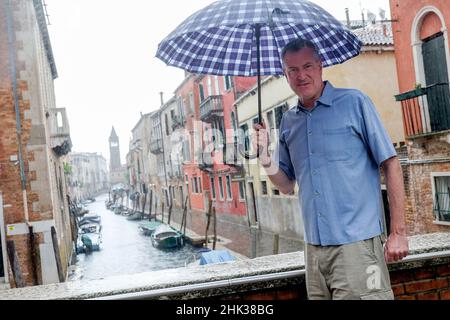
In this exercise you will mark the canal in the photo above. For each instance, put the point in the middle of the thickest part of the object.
(124, 249)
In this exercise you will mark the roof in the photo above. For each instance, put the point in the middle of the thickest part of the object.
(40, 16)
(376, 34)
(354, 24)
(113, 133)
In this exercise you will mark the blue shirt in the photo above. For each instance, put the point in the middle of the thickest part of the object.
(334, 151)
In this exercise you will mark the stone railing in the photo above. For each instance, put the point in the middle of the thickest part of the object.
(424, 274)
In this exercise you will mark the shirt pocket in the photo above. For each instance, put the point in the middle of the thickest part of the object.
(338, 143)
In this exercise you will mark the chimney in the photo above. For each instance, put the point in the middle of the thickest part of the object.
(162, 98)
(347, 13)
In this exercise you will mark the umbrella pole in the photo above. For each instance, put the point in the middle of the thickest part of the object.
(258, 66)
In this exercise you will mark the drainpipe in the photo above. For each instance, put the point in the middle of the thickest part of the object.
(23, 181)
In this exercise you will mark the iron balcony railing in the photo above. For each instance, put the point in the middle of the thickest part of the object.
(205, 161)
(156, 146)
(231, 155)
(210, 108)
(177, 122)
(426, 110)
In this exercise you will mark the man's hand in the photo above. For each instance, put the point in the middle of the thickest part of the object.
(260, 141)
(396, 247)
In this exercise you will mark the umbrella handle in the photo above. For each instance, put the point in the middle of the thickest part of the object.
(247, 155)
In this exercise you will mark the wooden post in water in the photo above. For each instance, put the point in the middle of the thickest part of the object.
(156, 208)
(208, 215)
(57, 255)
(215, 228)
(143, 204)
(150, 207)
(170, 213)
(184, 218)
(162, 212)
(170, 207)
(276, 243)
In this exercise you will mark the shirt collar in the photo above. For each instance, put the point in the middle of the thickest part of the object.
(325, 99)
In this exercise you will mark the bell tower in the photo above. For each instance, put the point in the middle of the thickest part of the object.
(114, 152)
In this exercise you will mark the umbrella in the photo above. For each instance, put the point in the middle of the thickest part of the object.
(245, 38)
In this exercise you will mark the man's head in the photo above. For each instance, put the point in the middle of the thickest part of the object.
(303, 69)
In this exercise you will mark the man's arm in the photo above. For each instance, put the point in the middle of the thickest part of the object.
(275, 174)
(397, 243)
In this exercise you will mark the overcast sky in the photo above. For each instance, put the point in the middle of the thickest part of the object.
(105, 56)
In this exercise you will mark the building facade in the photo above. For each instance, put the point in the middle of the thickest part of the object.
(34, 142)
(173, 119)
(87, 175)
(195, 180)
(423, 68)
(217, 95)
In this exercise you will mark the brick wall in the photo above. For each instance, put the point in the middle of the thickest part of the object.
(425, 155)
(424, 283)
(33, 79)
(427, 283)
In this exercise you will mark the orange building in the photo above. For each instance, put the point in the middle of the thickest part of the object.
(217, 95)
(210, 166)
(422, 52)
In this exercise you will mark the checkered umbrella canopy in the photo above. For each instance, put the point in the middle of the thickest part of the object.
(220, 39)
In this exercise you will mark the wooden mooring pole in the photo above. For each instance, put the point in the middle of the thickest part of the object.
(150, 207)
(276, 243)
(208, 215)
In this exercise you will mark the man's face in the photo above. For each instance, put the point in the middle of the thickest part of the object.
(303, 70)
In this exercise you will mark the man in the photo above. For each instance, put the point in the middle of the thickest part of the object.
(333, 144)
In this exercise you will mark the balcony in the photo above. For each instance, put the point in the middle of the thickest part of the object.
(206, 163)
(177, 123)
(211, 108)
(426, 110)
(60, 140)
(231, 155)
(156, 146)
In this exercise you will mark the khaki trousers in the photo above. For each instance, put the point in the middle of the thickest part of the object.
(354, 271)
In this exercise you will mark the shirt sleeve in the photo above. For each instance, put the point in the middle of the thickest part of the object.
(375, 134)
(281, 156)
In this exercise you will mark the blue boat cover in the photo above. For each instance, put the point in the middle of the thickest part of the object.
(216, 256)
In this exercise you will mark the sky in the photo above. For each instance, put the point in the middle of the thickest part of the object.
(107, 70)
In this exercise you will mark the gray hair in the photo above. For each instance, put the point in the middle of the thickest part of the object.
(299, 44)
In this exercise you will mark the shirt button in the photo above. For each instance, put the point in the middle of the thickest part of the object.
(310, 132)
(317, 193)
(319, 214)
(314, 172)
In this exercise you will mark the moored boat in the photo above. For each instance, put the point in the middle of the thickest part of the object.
(148, 227)
(167, 237)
